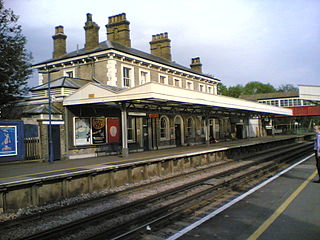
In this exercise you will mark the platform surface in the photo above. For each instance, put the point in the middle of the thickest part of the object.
(286, 208)
(15, 172)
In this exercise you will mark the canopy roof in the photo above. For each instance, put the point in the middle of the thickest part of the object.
(66, 82)
(167, 98)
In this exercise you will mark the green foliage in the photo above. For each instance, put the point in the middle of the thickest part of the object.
(288, 88)
(256, 88)
(15, 61)
(252, 88)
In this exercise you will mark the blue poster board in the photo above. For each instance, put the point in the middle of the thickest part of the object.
(8, 141)
(11, 141)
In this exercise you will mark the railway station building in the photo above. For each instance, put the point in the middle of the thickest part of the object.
(109, 98)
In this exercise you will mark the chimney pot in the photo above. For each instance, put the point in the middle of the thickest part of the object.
(59, 42)
(89, 17)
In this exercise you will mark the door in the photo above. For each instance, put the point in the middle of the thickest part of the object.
(178, 134)
(239, 131)
(55, 142)
(145, 134)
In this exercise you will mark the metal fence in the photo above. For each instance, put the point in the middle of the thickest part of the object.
(32, 148)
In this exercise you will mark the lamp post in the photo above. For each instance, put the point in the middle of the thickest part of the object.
(50, 149)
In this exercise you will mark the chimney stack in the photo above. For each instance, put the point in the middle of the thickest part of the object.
(59, 43)
(196, 65)
(160, 46)
(92, 33)
(118, 30)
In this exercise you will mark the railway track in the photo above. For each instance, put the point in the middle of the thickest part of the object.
(162, 202)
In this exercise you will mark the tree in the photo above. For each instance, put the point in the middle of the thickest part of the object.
(257, 87)
(15, 60)
(287, 88)
(235, 91)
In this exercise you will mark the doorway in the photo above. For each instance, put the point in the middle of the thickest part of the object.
(55, 142)
(239, 131)
(178, 127)
(145, 133)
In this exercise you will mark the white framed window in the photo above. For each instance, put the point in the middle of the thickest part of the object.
(190, 127)
(69, 73)
(164, 128)
(177, 82)
(127, 76)
(131, 129)
(144, 76)
(202, 88)
(210, 89)
(189, 85)
(163, 79)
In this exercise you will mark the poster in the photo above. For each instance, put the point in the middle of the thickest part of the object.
(98, 130)
(8, 140)
(113, 130)
(82, 131)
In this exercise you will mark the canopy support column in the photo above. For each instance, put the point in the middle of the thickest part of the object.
(207, 130)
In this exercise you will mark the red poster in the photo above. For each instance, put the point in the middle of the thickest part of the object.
(113, 130)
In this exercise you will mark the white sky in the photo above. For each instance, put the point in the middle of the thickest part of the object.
(238, 41)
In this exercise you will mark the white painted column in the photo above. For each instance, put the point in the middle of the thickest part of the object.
(207, 131)
(124, 127)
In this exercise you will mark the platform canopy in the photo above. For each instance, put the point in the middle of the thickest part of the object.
(156, 97)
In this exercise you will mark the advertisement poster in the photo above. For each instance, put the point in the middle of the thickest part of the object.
(8, 140)
(82, 131)
(98, 130)
(113, 130)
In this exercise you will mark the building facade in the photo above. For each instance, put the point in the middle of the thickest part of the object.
(304, 103)
(109, 97)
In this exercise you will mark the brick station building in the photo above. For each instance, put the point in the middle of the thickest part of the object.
(109, 98)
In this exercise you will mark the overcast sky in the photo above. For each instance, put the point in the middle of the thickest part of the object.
(238, 41)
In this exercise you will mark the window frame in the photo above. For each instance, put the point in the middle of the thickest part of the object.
(190, 129)
(147, 76)
(166, 79)
(130, 78)
(189, 85)
(66, 71)
(203, 87)
(166, 129)
(177, 80)
(131, 127)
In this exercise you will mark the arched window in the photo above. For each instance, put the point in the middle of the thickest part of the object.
(164, 128)
(190, 127)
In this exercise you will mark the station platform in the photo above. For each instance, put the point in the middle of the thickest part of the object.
(15, 172)
(285, 207)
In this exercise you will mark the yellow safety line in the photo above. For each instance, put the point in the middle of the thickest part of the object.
(281, 209)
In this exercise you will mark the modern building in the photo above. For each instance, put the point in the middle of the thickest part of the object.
(109, 98)
(304, 103)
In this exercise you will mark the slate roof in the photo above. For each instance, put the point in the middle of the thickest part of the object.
(262, 96)
(66, 82)
(107, 45)
(42, 109)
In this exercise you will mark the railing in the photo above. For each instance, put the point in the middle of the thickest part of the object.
(32, 148)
